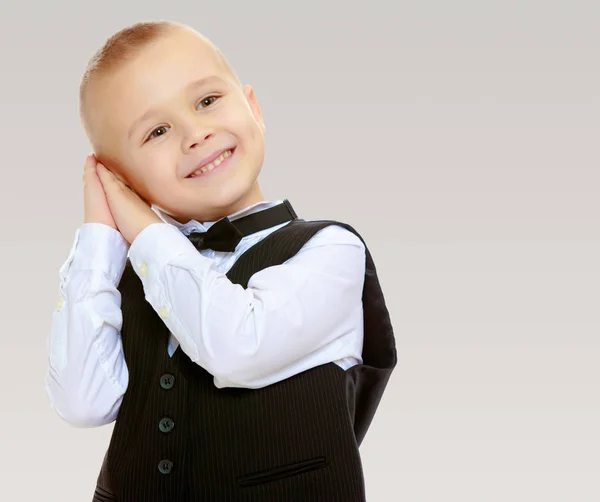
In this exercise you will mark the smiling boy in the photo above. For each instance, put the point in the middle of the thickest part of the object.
(241, 350)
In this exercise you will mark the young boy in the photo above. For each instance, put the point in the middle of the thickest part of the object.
(242, 351)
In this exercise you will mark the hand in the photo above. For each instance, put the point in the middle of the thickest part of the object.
(95, 205)
(131, 213)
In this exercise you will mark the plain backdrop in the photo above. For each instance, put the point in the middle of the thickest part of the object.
(459, 138)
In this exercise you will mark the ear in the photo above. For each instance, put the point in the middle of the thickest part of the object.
(254, 106)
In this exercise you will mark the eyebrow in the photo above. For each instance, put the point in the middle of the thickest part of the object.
(194, 84)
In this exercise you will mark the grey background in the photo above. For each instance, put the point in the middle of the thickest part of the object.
(459, 138)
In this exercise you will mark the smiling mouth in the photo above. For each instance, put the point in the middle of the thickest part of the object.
(212, 165)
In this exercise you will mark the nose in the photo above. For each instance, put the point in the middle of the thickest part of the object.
(195, 135)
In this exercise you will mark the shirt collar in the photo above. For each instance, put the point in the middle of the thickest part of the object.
(196, 226)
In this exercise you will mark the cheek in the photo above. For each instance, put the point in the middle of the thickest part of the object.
(240, 122)
(252, 134)
(155, 169)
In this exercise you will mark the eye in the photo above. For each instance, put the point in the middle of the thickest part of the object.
(156, 133)
(208, 98)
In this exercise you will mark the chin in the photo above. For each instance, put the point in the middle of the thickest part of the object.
(214, 201)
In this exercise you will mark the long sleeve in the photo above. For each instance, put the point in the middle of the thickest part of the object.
(87, 375)
(291, 317)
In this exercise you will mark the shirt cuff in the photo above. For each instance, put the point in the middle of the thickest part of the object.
(98, 247)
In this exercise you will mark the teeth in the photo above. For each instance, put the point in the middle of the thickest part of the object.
(210, 166)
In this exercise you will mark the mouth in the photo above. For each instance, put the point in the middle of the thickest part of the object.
(221, 161)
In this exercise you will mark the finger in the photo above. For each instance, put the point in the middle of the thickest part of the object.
(116, 178)
(105, 173)
(88, 165)
(110, 182)
(120, 179)
(105, 176)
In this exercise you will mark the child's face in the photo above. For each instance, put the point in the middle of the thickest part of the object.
(181, 124)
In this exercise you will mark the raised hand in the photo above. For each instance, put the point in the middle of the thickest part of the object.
(95, 205)
(130, 212)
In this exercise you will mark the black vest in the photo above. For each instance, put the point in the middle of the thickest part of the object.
(178, 438)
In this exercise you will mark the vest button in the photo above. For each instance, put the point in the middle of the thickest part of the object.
(166, 424)
(166, 381)
(165, 466)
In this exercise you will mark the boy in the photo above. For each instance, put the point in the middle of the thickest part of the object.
(243, 357)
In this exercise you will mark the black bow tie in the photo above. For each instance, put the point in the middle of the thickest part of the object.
(225, 235)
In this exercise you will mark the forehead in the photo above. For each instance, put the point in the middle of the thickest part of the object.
(155, 77)
(168, 62)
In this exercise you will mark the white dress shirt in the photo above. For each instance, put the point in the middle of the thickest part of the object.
(291, 317)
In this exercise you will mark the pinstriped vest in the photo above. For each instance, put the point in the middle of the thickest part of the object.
(178, 438)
